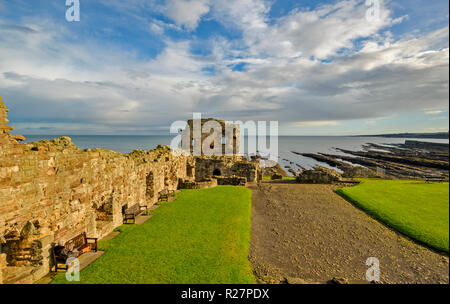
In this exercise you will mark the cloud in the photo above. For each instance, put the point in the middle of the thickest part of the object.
(322, 32)
(437, 129)
(156, 28)
(313, 68)
(186, 13)
(434, 112)
(16, 28)
(391, 79)
(315, 123)
(319, 33)
(439, 118)
(246, 15)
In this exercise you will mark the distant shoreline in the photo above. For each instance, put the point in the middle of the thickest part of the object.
(440, 135)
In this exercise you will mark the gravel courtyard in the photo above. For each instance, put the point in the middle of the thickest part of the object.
(307, 233)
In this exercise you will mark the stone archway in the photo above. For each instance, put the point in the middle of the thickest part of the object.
(189, 171)
(217, 172)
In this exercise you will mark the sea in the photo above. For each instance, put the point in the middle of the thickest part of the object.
(286, 145)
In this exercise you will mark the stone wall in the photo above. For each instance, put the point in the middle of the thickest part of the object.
(52, 191)
(231, 180)
(319, 175)
(206, 167)
(190, 184)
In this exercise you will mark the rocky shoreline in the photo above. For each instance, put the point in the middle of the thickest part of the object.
(411, 160)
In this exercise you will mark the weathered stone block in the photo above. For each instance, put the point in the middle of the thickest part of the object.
(319, 175)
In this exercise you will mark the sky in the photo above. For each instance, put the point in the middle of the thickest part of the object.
(136, 66)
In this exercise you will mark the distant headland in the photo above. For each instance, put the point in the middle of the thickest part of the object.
(437, 135)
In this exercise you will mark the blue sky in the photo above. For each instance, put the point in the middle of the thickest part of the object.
(134, 67)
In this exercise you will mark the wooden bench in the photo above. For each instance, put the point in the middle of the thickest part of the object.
(165, 194)
(75, 247)
(132, 212)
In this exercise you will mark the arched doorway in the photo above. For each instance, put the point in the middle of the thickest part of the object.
(216, 172)
(189, 170)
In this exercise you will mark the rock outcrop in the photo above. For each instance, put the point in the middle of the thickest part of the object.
(411, 160)
(319, 175)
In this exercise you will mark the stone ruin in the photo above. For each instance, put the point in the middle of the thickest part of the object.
(226, 168)
(322, 175)
(276, 176)
(199, 132)
(319, 175)
(52, 191)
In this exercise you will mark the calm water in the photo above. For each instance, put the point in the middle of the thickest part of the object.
(286, 144)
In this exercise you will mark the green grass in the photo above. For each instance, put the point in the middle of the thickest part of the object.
(202, 237)
(284, 178)
(417, 209)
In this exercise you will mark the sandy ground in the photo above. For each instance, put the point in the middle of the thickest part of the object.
(307, 233)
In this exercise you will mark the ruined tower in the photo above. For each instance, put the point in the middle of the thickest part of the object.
(4, 129)
(5, 136)
(225, 142)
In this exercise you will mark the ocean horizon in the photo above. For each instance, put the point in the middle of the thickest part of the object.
(286, 144)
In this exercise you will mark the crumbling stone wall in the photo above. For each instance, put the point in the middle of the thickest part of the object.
(319, 175)
(190, 184)
(206, 167)
(231, 180)
(52, 191)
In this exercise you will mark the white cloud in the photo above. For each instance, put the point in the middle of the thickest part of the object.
(108, 88)
(156, 28)
(434, 112)
(319, 33)
(439, 118)
(315, 123)
(186, 13)
(323, 32)
(246, 15)
(437, 129)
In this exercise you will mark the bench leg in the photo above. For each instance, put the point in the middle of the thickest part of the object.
(66, 267)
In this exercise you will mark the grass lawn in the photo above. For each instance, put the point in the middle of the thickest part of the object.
(202, 237)
(417, 209)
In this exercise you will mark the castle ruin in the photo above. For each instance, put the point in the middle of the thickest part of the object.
(51, 191)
